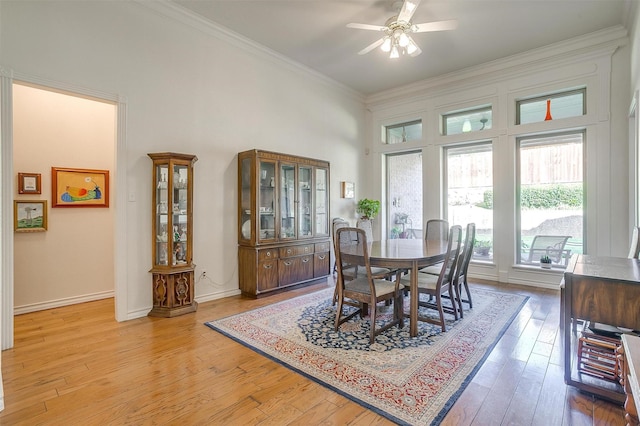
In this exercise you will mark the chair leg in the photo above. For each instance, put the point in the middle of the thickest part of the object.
(373, 321)
(466, 289)
(440, 312)
(338, 313)
(399, 310)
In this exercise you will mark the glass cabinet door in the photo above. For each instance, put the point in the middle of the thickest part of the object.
(246, 213)
(305, 202)
(321, 208)
(180, 214)
(162, 211)
(267, 200)
(287, 201)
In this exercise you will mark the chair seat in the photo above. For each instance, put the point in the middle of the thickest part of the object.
(361, 285)
(425, 281)
(362, 271)
(433, 269)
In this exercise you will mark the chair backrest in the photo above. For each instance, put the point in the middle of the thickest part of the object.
(352, 250)
(467, 251)
(437, 230)
(634, 249)
(548, 245)
(451, 258)
(365, 225)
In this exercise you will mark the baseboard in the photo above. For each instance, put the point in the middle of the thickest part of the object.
(218, 295)
(41, 306)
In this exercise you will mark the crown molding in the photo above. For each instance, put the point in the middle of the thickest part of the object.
(174, 11)
(596, 44)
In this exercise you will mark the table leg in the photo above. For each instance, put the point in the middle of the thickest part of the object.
(413, 301)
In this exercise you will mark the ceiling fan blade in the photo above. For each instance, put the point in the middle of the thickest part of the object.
(436, 26)
(365, 27)
(370, 47)
(408, 9)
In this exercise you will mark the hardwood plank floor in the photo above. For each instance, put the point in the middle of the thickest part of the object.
(77, 365)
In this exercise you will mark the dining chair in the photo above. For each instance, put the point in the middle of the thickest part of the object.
(354, 270)
(352, 251)
(437, 230)
(466, 253)
(442, 285)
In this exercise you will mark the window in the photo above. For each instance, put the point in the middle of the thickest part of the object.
(552, 107)
(403, 132)
(550, 198)
(404, 192)
(469, 192)
(467, 121)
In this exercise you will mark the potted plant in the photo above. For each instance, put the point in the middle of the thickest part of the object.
(545, 262)
(368, 209)
(482, 247)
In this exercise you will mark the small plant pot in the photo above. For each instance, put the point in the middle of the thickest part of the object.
(545, 265)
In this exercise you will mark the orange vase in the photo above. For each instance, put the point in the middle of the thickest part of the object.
(548, 116)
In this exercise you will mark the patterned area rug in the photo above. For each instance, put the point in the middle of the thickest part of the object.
(408, 380)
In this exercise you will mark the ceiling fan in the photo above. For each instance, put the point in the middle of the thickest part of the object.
(398, 29)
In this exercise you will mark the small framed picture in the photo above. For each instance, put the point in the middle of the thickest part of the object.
(29, 183)
(348, 190)
(79, 187)
(30, 215)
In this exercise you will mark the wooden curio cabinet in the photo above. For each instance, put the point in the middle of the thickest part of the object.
(283, 221)
(172, 234)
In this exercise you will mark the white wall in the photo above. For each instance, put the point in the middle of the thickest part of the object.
(193, 90)
(73, 260)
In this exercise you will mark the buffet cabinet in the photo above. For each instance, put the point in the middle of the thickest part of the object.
(172, 234)
(283, 221)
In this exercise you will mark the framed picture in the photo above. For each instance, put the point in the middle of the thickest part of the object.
(28, 183)
(79, 187)
(348, 190)
(30, 215)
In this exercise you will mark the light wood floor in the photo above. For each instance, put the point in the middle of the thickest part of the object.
(77, 365)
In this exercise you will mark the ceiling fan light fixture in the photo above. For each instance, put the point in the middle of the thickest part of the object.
(411, 47)
(394, 52)
(403, 40)
(386, 45)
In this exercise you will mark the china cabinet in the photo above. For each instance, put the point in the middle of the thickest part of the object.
(283, 221)
(172, 233)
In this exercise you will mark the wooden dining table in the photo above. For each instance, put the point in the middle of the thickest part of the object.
(411, 254)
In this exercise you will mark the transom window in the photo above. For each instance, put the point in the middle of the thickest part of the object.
(467, 121)
(551, 107)
(403, 132)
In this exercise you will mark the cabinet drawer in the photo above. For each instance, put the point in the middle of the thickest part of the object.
(322, 247)
(267, 254)
(268, 275)
(321, 264)
(296, 250)
(292, 270)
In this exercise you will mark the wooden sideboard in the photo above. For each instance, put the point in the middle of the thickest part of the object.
(602, 290)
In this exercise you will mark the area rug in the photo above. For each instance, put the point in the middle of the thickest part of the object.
(412, 381)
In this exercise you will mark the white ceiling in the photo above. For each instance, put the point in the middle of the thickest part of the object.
(314, 32)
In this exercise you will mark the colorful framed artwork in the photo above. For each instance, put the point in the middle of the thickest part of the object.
(348, 190)
(29, 215)
(28, 183)
(79, 187)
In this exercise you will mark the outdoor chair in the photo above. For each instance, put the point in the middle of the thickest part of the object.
(365, 289)
(548, 245)
(634, 249)
(442, 285)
